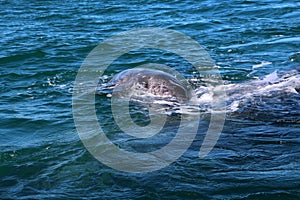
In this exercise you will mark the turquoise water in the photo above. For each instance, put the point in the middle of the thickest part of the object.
(44, 43)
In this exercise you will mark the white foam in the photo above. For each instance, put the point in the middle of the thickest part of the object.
(271, 78)
(234, 106)
(262, 64)
(241, 92)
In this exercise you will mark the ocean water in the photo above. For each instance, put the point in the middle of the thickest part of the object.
(255, 45)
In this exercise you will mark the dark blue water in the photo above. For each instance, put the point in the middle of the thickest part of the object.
(43, 44)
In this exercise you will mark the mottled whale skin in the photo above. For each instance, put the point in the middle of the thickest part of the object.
(140, 82)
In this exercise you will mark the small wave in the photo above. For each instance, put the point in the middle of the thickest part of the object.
(295, 57)
(34, 54)
(262, 64)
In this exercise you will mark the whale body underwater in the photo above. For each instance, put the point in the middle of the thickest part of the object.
(141, 82)
(148, 85)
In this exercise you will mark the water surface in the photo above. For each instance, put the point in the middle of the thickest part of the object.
(44, 43)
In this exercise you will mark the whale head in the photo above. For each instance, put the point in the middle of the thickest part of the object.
(140, 82)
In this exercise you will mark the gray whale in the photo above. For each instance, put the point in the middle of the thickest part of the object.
(142, 82)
